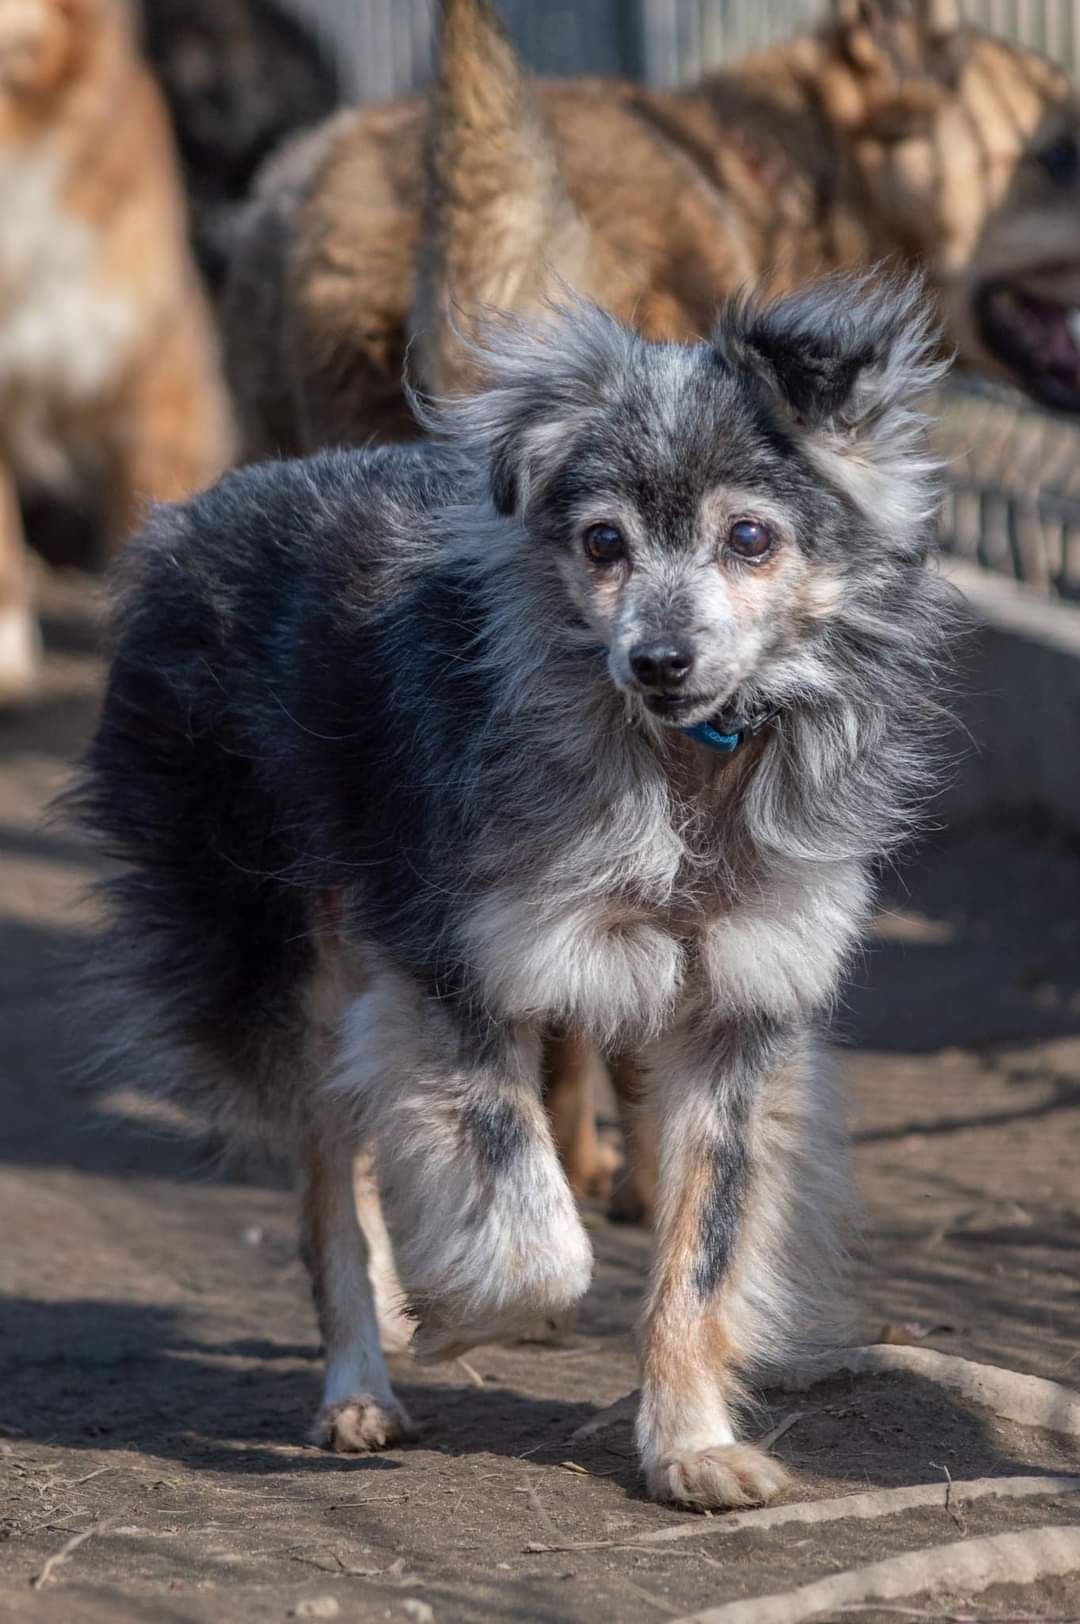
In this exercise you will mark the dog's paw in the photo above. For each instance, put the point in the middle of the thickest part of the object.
(356, 1425)
(548, 1330)
(395, 1328)
(718, 1479)
(507, 1292)
(20, 656)
(435, 1340)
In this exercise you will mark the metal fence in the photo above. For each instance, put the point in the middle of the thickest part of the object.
(384, 46)
(1013, 500)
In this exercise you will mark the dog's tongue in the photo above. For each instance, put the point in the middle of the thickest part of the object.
(1060, 351)
(1053, 333)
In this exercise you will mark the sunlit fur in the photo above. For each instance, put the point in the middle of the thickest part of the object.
(393, 803)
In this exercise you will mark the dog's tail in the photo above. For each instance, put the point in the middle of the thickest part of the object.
(500, 230)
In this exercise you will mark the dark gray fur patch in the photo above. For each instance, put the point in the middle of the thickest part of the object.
(722, 1214)
(743, 1057)
(497, 1131)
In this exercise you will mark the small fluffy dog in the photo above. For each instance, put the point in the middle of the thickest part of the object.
(591, 712)
(109, 373)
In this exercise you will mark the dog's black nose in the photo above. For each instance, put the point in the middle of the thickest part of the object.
(663, 664)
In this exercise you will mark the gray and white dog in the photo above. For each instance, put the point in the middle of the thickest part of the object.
(590, 713)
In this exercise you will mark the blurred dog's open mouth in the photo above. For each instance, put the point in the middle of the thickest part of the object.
(1037, 339)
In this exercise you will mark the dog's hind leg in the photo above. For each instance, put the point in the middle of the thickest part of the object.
(395, 1326)
(633, 1199)
(749, 1158)
(169, 433)
(486, 1234)
(359, 1410)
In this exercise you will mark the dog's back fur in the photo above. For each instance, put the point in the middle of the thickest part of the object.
(188, 770)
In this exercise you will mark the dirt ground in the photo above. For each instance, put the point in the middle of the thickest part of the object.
(158, 1354)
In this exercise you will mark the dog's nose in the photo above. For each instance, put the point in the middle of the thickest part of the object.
(663, 664)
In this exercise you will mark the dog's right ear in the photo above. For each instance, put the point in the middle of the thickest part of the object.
(899, 59)
(541, 380)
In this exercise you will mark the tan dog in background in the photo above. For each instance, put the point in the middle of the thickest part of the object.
(892, 134)
(108, 366)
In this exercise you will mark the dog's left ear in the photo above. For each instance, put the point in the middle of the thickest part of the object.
(840, 355)
(845, 363)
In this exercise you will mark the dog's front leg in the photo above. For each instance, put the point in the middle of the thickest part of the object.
(709, 1306)
(486, 1234)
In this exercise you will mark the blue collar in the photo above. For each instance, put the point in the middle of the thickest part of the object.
(725, 734)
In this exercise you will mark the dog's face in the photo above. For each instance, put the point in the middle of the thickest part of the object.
(689, 541)
(1009, 263)
(969, 151)
(704, 509)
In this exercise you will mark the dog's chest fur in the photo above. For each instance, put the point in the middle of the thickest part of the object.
(673, 924)
(64, 336)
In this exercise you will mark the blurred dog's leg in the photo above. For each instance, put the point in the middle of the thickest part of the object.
(571, 1069)
(633, 1199)
(170, 434)
(359, 1410)
(20, 638)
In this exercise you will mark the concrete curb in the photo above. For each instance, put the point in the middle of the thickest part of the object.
(1020, 702)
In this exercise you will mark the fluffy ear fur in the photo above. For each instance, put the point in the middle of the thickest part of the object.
(846, 361)
(539, 378)
(843, 353)
(842, 360)
(906, 56)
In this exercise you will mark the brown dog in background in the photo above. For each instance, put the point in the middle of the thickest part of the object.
(108, 367)
(894, 133)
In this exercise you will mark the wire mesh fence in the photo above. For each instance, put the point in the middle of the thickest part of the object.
(1012, 497)
(1013, 487)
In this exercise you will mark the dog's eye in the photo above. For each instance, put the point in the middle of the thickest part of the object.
(749, 539)
(604, 544)
(1062, 161)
